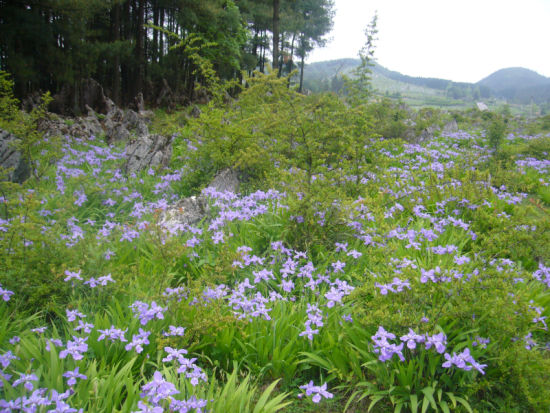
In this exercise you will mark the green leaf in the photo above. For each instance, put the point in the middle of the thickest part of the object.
(374, 400)
(425, 405)
(464, 403)
(452, 397)
(311, 357)
(429, 395)
(414, 403)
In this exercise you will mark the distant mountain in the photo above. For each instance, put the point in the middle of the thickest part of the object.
(416, 91)
(518, 84)
(326, 70)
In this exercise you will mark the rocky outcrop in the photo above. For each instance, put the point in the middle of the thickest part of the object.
(116, 125)
(166, 96)
(189, 211)
(186, 211)
(92, 96)
(11, 159)
(144, 150)
(226, 181)
(72, 101)
(195, 112)
(450, 127)
(428, 133)
(148, 151)
(482, 106)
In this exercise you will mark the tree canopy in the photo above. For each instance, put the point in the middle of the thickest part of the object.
(128, 45)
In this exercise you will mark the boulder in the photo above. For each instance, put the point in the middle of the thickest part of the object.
(451, 127)
(72, 101)
(12, 159)
(134, 122)
(87, 126)
(166, 95)
(195, 112)
(148, 151)
(139, 102)
(187, 211)
(201, 96)
(482, 106)
(53, 125)
(63, 102)
(226, 180)
(115, 132)
(91, 95)
(32, 101)
(113, 127)
(428, 133)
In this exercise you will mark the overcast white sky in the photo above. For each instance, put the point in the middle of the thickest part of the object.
(460, 40)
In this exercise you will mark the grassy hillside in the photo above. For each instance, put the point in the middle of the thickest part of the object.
(519, 85)
(518, 88)
(351, 273)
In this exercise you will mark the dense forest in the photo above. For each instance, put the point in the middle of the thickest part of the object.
(139, 46)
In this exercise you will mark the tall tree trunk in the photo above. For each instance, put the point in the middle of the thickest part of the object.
(155, 48)
(125, 69)
(255, 49)
(116, 63)
(281, 54)
(161, 39)
(302, 73)
(275, 34)
(262, 61)
(140, 47)
(291, 59)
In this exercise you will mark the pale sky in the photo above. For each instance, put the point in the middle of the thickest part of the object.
(460, 40)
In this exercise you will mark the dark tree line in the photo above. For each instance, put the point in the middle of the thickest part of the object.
(127, 45)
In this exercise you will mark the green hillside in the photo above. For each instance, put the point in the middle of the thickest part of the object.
(415, 91)
(514, 86)
(518, 84)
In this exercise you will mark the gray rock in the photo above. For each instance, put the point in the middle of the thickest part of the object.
(148, 151)
(201, 96)
(91, 95)
(195, 112)
(226, 180)
(87, 126)
(139, 102)
(482, 106)
(112, 124)
(451, 127)
(409, 134)
(117, 126)
(71, 100)
(120, 125)
(189, 211)
(115, 132)
(186, 211)
(428, 133)
(63, 103)
(166, 96)
(53, 126)
(134, 122)
(12, 159)
(32, 101)
(91, 126)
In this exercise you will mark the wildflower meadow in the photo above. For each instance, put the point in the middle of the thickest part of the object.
(350, 272)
